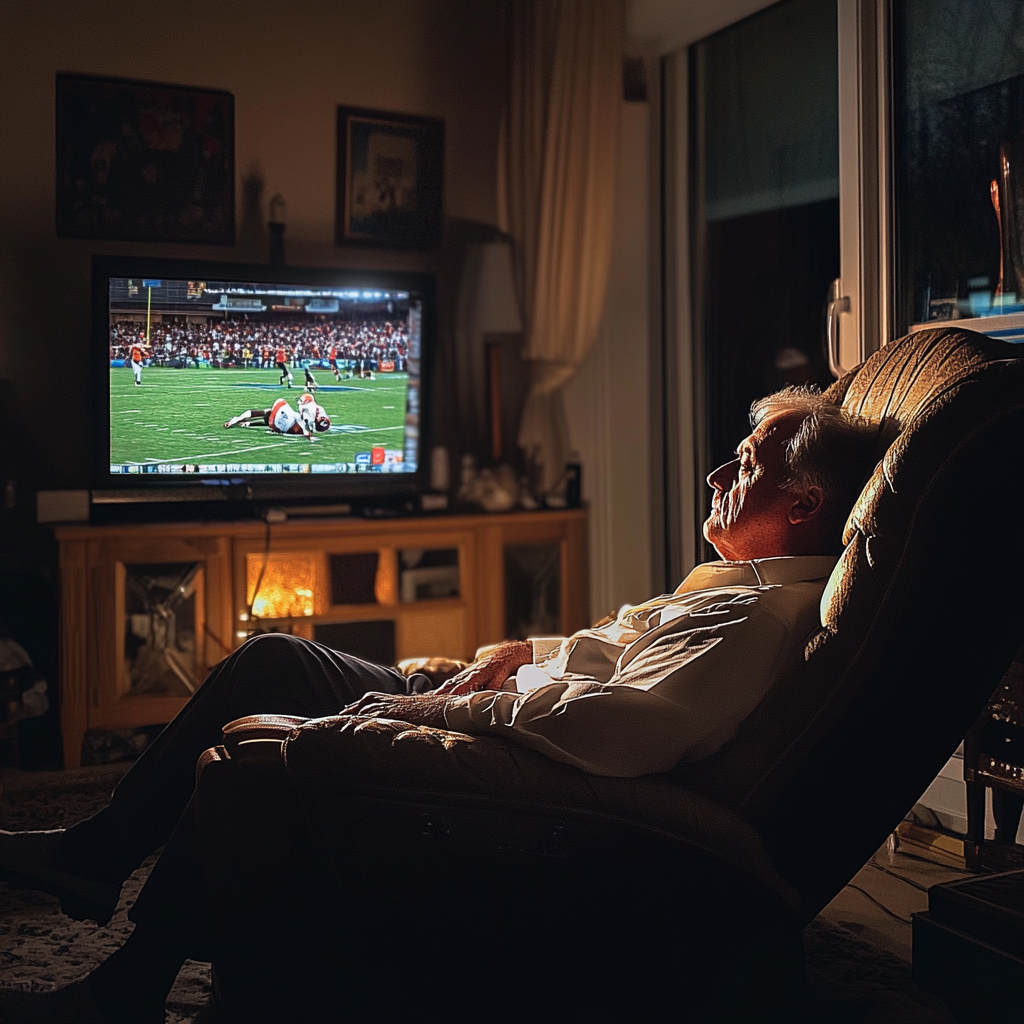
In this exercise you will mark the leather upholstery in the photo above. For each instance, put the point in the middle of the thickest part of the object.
(331, 760)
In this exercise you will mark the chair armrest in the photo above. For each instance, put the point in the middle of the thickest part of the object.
(254, 737)
(207, 757)
(259, 729)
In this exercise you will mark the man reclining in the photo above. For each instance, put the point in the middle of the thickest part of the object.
(666, 681)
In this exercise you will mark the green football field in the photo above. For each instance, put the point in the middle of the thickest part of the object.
(178, 416)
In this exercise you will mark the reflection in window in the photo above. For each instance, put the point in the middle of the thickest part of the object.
(959, 158)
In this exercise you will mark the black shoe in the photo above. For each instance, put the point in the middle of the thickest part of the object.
(69, 1004)
(34, 860)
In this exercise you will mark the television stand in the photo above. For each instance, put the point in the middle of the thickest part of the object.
(148, 608)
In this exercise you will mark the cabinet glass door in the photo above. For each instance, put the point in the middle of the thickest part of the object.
(533, 590)
(163, 628)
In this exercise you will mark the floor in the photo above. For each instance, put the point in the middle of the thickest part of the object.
(878, 901)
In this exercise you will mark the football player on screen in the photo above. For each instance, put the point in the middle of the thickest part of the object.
(332, 362)
(135, 358)
(281, 358)
(281, 418)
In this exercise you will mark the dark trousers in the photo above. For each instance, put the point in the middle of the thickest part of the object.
(152, 805)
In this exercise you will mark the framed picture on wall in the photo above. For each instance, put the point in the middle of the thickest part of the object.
(144, 161)
(389, 179)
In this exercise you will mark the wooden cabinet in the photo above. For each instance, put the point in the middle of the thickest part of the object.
(147, 609)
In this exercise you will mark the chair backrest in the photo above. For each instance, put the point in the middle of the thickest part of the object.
(919, 620)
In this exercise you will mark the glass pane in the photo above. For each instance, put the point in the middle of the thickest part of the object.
(354, 577)
(426, 574)
(287, 584)
(765, 117)
(163, 628)
(959, 159)
(533, 590)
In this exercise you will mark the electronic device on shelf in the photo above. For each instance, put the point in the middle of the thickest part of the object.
(225, 388)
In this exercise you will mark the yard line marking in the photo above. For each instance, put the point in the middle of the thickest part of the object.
(207, 455)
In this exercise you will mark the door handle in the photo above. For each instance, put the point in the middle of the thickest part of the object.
(837, 304)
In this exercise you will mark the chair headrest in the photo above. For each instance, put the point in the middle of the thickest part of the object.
(906, 383)
(900, 381)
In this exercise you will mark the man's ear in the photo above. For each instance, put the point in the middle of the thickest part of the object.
(807, 505)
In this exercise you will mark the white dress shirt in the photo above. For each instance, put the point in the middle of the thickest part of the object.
(667, 681)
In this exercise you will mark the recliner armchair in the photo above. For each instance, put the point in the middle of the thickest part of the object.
(358, 868)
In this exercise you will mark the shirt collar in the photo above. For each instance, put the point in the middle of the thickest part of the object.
(759, 572)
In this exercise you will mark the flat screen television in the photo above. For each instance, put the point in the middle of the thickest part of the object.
(258, 385)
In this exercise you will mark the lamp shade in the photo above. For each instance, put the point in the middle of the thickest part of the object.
(487, 300)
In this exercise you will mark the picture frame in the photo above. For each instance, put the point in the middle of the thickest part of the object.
(144, 161)
(389, 179)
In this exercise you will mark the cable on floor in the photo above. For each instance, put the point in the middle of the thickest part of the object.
(888, 871)
(878, 903)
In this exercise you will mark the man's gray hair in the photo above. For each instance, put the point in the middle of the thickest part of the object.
(830, 449)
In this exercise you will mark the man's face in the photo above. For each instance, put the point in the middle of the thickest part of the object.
(750, 513)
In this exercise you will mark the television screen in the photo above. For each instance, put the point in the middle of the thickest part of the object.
(299, 383)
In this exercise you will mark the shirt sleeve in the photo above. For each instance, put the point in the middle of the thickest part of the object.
(680, 697)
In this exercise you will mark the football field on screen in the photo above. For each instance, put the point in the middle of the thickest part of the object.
(178, 416)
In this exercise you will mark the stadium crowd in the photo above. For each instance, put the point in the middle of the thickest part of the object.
(254, 344)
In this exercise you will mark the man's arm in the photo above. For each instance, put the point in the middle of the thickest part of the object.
(416, 709)
(487, 673)
(491, 671)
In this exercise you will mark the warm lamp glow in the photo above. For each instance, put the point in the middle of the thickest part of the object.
(289, 585)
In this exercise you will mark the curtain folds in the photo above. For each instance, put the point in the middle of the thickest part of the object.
(556, 196)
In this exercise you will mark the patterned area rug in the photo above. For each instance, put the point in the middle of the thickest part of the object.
(849, 980)
(40, 948)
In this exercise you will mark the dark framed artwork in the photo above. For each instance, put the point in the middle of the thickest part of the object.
(389, 179)
(144, 161)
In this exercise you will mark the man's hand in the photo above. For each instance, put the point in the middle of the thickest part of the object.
(491, 671)
(417, 708)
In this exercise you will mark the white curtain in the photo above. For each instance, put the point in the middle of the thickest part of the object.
(557, 193)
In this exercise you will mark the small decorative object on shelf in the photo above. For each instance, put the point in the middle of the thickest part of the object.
(22, 688)
(440, 478)
(573, 480)
(526, 499)
(493, 490)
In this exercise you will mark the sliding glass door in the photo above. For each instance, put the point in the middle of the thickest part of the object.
(836, 174)
(764, 203)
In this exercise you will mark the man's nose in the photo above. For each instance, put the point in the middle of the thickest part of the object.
(724, 477)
